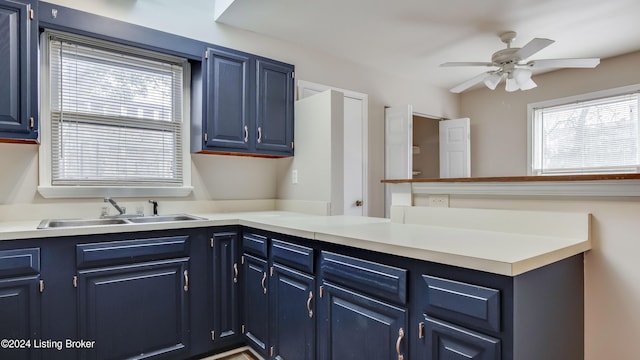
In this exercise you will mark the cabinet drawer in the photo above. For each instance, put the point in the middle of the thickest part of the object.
(447, 341)
(255, 244)
(131, 251)
(382, 281)
(19, 262)
(292, 255)
(461, 302)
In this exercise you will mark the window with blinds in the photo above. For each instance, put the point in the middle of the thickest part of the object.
(116, 114)
(600, 135)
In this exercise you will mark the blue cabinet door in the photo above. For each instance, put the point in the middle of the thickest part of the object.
(255, 306)
(274, 107)
(226, 102)
(139, 310)
(226, 322)
(20, 303)
(20, 317)
(18, 69)
(292, 315)
(445, 341)
(355, 326)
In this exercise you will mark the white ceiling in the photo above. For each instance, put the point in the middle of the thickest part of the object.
(411, 38)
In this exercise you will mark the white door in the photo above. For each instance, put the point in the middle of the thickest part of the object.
(398, 156)
(355, 145)
(455, 148)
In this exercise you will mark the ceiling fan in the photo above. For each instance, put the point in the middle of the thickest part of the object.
(511, 65)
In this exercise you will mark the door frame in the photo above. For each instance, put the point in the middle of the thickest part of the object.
(364, 100)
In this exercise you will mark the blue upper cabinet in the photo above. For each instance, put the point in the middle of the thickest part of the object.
(247, 104)
(274, 109)
(227, 100)
(18, 69)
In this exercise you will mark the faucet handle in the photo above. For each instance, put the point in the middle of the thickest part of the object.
(155, 206)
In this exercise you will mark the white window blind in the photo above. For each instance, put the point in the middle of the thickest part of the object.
(116, 114)
(595, 136)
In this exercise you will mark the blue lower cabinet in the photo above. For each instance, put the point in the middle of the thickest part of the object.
(445, 341)
(19, 317)
(255, 305)
(293, 313)
(135, 311)
(356, 326)
(20, 301)
(224, 292)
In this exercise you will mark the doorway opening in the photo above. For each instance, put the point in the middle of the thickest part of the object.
(426, 147)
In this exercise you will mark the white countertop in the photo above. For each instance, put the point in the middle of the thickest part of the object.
(504, 253)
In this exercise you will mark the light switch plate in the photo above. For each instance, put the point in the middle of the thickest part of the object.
(294, 176)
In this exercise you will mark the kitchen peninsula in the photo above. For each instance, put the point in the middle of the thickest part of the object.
(486, 289)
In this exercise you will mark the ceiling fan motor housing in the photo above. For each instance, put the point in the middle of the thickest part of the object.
(505, 56)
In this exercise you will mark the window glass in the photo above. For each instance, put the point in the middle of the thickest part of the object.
(116, 114)
(591, 136)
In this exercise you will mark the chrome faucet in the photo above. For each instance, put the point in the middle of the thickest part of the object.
(155, 207)
(121, 210)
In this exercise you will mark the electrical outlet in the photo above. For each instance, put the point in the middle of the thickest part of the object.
(439, 201)
(294, 176)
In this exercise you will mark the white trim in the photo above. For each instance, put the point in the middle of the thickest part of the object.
(525, 188)
(364, 99)
(562, 101)
(59, 192)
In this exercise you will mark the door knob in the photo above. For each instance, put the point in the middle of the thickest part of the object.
(358, 202)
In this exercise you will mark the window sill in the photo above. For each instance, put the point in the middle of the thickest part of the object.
(58, 192)
(566, 185)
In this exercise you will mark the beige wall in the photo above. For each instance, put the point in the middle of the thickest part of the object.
(499, 119)
(194, 19)
(612, 271)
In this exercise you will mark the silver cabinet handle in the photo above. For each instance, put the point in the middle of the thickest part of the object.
(400, 337)
(246, 134)
(186, 280)
(259, 134)
(264, 278)
(309, 304)
(421, 330)
(235, 273)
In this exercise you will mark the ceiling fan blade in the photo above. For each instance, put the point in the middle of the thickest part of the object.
(469, 83)
(564, 63)
(449, 64)
(533, 47)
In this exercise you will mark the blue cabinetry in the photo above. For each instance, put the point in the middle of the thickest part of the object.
(255, 305)
(176, 294)
(20, 302)
(18, 69)
(448, 309)
(139, 307)
(225, 286)
(363, 309)
(247, 105)
(274, 107)
(227, 96)
(293, 302)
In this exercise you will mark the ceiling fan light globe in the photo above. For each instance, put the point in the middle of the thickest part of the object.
(528, 85)
(522, 76)
(492, 81)
(512, 85)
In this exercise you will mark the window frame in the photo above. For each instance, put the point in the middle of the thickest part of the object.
(45, 186)
(531, 128)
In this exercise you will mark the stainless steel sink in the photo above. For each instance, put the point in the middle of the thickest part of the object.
(164, 218)
(58, 223)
